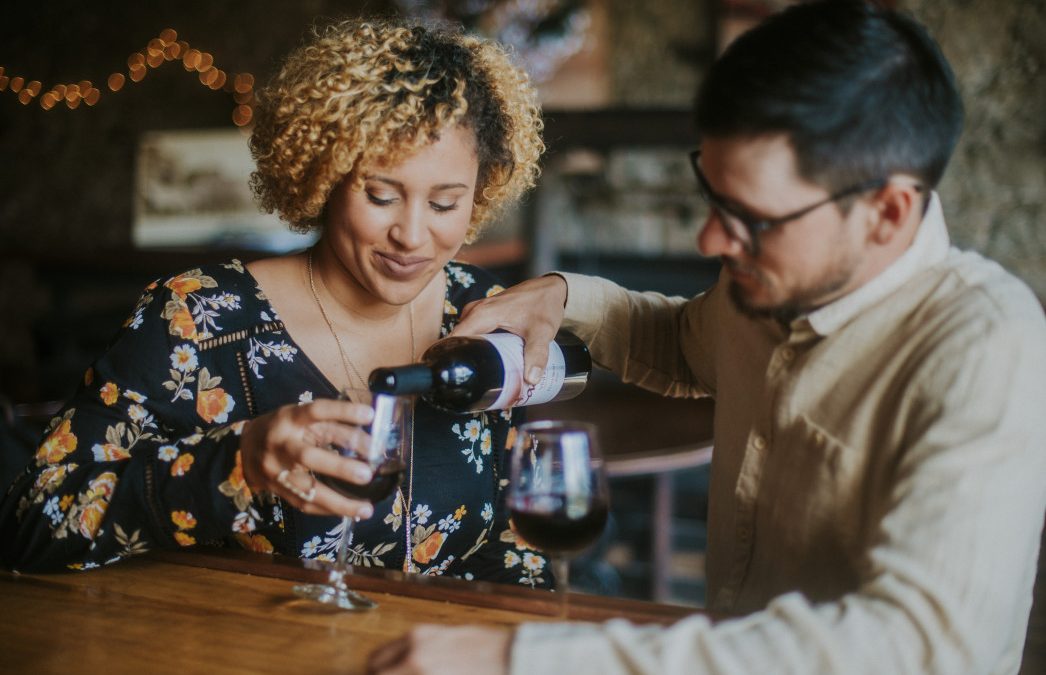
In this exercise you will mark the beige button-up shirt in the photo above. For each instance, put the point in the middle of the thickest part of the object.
(879, 477)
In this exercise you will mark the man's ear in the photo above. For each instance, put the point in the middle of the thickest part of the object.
(894, 209)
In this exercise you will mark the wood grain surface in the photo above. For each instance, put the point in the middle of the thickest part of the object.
(233, 612)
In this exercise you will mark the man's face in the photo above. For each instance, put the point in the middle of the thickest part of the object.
(801, 264)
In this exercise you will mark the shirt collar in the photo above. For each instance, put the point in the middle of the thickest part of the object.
(929, 247)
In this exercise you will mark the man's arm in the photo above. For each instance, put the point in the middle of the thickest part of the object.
(657, 342)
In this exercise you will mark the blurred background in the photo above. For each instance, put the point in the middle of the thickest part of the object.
(123, 145)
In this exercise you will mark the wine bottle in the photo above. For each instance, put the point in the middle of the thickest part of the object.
(472, 374)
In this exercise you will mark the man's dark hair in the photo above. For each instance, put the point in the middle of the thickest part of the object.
(862, 92)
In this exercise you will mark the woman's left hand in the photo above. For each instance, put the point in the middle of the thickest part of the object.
(283, 450)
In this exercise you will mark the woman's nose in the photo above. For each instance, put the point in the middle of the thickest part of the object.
(411, 228)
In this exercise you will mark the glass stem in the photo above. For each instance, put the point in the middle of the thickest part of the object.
(337, 575)
(561, 569)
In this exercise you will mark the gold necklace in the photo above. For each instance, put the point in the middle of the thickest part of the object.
(347, 365)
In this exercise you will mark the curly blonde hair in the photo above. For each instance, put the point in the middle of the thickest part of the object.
(359, 94)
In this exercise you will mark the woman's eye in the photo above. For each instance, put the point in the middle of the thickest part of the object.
(375, 199)
(443, 208)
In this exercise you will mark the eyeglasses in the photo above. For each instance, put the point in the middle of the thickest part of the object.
(745, 228)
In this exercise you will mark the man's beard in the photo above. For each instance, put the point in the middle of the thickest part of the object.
(801, 303)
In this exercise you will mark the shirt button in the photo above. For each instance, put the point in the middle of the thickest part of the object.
(759, 442)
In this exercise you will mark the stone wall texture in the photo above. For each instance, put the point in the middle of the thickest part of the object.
(994, 192)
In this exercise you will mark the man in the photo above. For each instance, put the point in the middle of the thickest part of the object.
(877, 489)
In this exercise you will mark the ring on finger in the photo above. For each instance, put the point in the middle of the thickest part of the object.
(306, 495)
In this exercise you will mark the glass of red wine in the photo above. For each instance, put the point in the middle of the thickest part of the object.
(558, 496)
(386, 446)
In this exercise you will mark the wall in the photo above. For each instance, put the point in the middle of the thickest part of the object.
(994, 192)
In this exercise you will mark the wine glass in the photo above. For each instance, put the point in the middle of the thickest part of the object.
(558, 496)
(388, 444)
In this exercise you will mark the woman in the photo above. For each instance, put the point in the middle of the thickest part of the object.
(207, 419)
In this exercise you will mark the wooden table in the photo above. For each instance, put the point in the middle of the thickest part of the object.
(233, 612)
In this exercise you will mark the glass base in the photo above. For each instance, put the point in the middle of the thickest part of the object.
(342, 598)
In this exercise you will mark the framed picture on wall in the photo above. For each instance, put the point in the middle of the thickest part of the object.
(192, 190)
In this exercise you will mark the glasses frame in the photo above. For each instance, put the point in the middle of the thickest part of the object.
(754, 226)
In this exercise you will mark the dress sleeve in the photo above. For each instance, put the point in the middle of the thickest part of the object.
(502, 556)
(145, 455)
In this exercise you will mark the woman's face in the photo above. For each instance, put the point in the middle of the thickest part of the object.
(396, 233)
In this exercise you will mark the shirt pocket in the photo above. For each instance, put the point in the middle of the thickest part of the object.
(816, 492)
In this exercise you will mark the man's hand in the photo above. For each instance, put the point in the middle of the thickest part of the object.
(532, 310)
(435, 650)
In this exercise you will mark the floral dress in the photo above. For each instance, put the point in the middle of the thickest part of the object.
(146, 454)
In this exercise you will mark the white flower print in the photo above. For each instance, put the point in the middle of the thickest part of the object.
(511, 559)
(422, 513)
(472, 430)
(472, 433)
(311, 547)
(183, 359)
(137, 413)
(52, 510)
(304, 397)
(488, 512)
(534, 563)
(461, 276)
(449, 524)
(136, 321)
(135, 396)
(259, 351)
(167, 453)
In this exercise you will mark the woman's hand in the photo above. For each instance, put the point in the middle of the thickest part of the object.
(532, 310)
(281, 448)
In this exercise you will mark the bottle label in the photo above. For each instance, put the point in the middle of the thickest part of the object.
(515, 390)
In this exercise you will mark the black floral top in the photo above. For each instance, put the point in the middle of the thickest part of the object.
(146, 454)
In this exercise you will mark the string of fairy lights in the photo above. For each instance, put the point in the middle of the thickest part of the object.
(161, 49)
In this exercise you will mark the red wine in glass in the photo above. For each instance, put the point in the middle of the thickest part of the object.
(555, 530)
(386, 478)
(558, 495)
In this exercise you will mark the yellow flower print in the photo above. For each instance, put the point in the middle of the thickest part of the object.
(109, 452)
(183, 519)
(180, 467)
(214, 405)
(58, 444)
(65, 502)
(183, 285)
(494, 290)
(90, 519)
(255, 542)
(181, 322)
(235, 488)
(94, 502)
(510, 438)
(184, 538)
(102, 487)
(110, 392)
(52, 477)
(460, 513)
(429, 549)
(449, 309)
